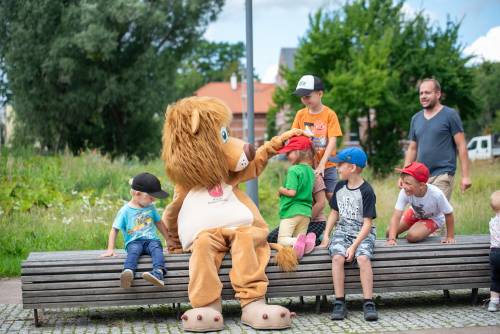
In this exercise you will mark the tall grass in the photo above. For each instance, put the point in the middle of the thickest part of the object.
(65, 202)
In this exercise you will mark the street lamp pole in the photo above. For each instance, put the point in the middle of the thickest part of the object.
(252, 187)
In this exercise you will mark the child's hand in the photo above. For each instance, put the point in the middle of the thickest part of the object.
(108, 253)
(448, 240)
(324, 243)
(349, 254)
(391, 242)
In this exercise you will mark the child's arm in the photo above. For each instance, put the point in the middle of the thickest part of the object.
(331, 221)
(450, 229)
(287, 192)
(111, 243)
(319, 203)
(393, 227)
(330, 147)
(162, 227)
(365, 230)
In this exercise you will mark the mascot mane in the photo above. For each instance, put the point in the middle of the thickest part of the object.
(192, 144)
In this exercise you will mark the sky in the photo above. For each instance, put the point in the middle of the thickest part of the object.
(281, 23)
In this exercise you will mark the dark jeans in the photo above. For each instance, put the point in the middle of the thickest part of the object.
(316, 227)
(495, 269)
(150, 247)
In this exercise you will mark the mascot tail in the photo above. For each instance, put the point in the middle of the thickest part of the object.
(285, 257)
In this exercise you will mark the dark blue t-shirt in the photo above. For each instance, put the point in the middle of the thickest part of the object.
(435, 144)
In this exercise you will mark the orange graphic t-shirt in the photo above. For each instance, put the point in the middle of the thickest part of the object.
(322, 126)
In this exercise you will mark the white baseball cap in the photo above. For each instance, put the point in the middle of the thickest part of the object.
(308, 84)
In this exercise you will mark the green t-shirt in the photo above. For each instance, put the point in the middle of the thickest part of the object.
(301, 179)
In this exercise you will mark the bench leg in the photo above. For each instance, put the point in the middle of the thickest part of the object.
(35, 315)
(178, 310)
(446, 294)
(473, 296)
(302, 300)
(324, 300)
(318, 304)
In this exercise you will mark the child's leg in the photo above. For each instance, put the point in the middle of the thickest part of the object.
(421, 230)
(302, 225)
(366, 276)
(286, 231)
(155, 250)
(495, 275)
(338, 275)
(134, 251)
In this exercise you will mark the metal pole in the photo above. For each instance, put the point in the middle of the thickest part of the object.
(252, 188)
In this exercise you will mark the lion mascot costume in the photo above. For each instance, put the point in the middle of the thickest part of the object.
(210, 216)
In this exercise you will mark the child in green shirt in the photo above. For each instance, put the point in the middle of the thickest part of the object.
(296, 197)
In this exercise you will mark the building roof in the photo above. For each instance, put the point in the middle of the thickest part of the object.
(263, 95)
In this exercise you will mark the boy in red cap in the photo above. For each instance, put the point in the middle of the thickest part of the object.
(296, 197)
(429, 209)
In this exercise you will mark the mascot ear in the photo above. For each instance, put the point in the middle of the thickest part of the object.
(195, 121)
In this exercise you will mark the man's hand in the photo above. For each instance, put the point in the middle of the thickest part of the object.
(108, 253)
(349, 254)
(465, 184)
(391, 242)
(448, 240)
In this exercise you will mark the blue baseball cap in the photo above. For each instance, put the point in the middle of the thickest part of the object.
(353, 155)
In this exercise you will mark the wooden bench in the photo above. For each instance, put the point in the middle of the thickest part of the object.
(82, 278)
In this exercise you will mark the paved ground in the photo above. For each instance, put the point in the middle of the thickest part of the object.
(418, 313)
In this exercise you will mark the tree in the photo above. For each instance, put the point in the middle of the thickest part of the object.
(486, 88)
(371, 57)
(97, 73)
(208, 62)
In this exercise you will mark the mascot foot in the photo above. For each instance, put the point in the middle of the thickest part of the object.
(259, 315)
(204, 319)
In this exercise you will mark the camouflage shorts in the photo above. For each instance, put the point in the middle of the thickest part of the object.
(341, 241)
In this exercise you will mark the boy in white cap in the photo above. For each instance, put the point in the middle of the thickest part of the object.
(322, 123)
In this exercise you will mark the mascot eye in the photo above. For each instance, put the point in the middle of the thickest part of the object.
(224, 134)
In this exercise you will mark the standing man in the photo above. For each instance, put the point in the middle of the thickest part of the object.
(436, 134)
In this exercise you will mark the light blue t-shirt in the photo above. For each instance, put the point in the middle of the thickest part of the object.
(137, 223)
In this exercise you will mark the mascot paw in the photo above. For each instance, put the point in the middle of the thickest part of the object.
(259, 315)
(203, 319)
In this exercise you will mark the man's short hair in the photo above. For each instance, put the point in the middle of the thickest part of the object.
(437, 86)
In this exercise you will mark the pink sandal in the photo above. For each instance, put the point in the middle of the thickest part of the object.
(300, 245)
(310, 242)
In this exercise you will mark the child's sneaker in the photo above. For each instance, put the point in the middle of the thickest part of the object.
(370, 311)
(339, 311)
(300, 245)
(310, 242)
(493, 307)
(126, 278)
(155, 277)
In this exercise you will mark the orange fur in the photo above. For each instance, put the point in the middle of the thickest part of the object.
(285, 257)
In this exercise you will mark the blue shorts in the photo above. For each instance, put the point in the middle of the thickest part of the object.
(330, 178)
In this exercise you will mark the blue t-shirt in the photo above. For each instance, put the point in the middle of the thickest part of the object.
(137, 223)
(436, 146)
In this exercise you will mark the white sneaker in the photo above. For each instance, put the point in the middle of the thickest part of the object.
(126, 278)
(493, 307)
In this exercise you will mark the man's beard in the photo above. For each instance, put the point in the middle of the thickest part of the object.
(431, 105)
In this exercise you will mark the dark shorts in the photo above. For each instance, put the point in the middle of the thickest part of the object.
(330, 179)
(495, 269)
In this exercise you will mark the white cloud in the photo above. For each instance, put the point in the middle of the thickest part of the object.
(270, 74)
(485, 47)
(411, 12)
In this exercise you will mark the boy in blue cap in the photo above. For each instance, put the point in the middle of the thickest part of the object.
(353, 206)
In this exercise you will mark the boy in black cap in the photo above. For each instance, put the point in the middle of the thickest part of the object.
(138, 220)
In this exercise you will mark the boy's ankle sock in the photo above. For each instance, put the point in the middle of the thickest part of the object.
(368, 300)
(340, 299)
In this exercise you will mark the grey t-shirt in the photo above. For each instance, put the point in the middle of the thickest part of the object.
(435, 144)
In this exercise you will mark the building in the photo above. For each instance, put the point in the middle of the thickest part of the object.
(237, 102)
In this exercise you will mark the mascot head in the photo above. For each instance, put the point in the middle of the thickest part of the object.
(197, 147)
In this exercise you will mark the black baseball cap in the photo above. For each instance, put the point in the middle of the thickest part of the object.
(148, 183)
(308, 84)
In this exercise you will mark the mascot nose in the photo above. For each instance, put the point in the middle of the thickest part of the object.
(249, 151)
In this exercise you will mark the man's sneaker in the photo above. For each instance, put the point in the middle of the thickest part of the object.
(339, 310)
(493, 307)
(369, 311)
(126, 278)
(155, 277)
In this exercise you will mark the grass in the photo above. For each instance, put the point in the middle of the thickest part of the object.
(65, 202)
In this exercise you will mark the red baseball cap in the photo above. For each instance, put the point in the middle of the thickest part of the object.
(297, 143)
(416, 169)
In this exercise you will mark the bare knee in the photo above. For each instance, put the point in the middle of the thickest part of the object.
(363, 261)
(413, 237)
(338, 259)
